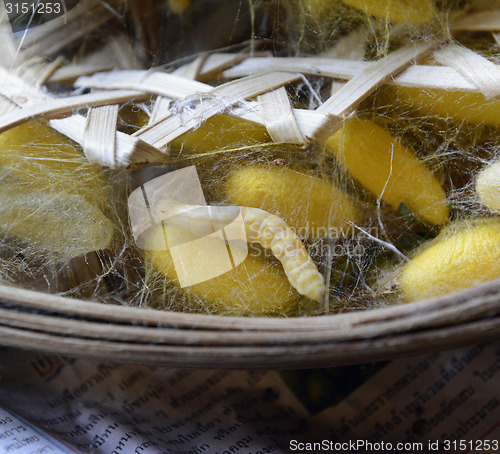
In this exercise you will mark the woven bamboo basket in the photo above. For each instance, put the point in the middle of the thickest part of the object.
(68, 326)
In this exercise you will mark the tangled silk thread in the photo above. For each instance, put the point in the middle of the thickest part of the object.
(365, 174)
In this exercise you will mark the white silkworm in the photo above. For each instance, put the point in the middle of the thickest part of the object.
(261, 227)
(271, 232)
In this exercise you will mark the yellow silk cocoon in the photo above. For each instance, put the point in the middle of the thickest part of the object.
(457, 105)
(397, 11)
(454, 262)
(257, 286)
(222, 131)
(310, 206)
(389, 170)
(488, 186)
(51, 196)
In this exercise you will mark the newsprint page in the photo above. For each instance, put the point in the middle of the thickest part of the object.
(440, 402)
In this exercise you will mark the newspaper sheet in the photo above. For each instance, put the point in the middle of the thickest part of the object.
(441, 402)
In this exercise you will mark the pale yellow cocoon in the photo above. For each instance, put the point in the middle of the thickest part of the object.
(412, 11)
(454, 262)
(222, 131)
(457, 105)
(41, 157)
(310, 206)
(488, 186)
(257, 286)
(60, 223)
(51, 196)
(389, 170)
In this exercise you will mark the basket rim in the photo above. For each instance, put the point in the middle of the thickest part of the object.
(34, 300)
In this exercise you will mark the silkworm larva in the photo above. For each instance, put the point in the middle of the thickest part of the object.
(488, 186)
(389, 170)
(271, 232)
(457, 259)
(257, 287)
(268, 230)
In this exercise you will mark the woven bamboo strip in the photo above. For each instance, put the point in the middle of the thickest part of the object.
(156, 82)
(192, 69)
(217, 62)
(99, 138)
(72, 72)
(65, 106)
(278, 117)
(161, 110)
(360, 86)
(478, 70)
(422, 76)
(128, 150)
(312, 124)
(218, 100)
(349, 47)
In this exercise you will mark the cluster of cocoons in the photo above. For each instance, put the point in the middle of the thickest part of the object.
(52, 197)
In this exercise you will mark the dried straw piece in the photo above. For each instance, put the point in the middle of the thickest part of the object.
(36, 71)
(360, 86)
(100, 132)
(279, 118)
(478, 70)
